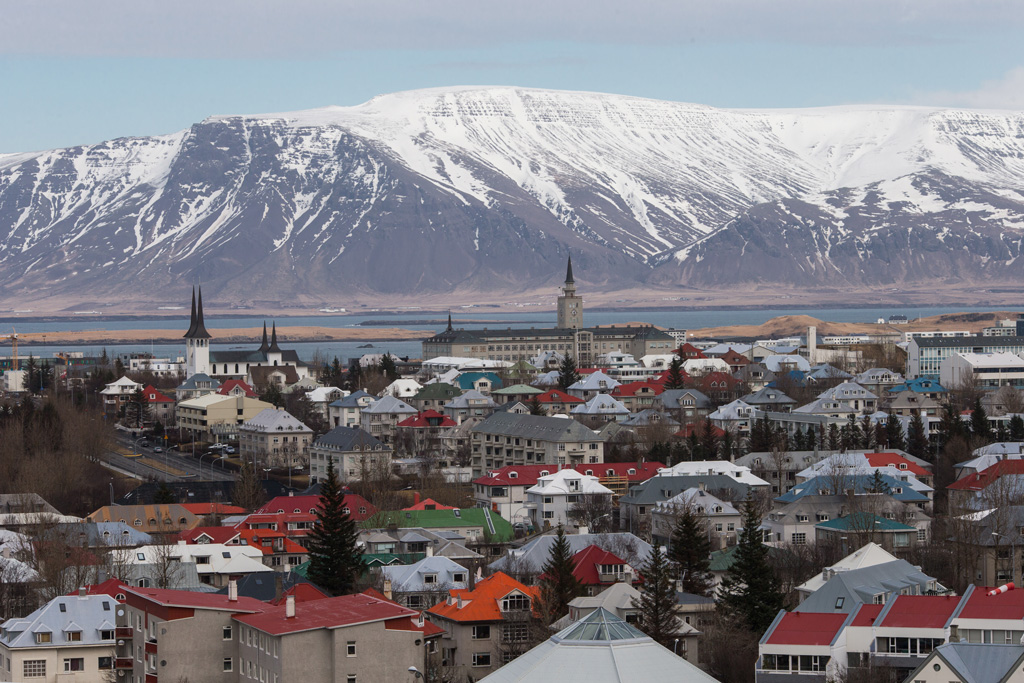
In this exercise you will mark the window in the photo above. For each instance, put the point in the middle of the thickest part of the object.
(73, 636)
(74, 664)
(481, 632)
(517, 601)
(229, 664)
(226, 635)
(430, 578)
(34, 668)
(44, 637)
(481, 659)
(63, 607)
(459, 577)
(799, 539)
(839, 602)
(106, 635)
(351, 678)
(514, 633)
(105, 663)
(350, 649)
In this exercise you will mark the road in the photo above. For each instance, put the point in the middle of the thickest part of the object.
(166, 466)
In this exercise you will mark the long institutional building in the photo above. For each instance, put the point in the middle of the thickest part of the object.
(925, 355)
(569, 337)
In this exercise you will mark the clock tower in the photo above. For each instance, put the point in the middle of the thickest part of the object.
(570, 306)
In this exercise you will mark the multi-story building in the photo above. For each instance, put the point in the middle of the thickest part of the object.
(345, 412)
(209, 417)
(274, 438)
(425, 583)
(355, 454)
(70, 638)
(721, 517)
(984, 370)
(551, 500)
(925, 355)
(380, 418)
(511, 439)
(119, 394)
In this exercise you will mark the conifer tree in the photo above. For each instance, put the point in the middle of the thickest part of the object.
(917, 442)
(708, 440)
(980, 427)
(334, 559)
(867, 433)
(1017, 428)
(690, 551)
(834, 439)
(387, 367)
(750, 590)
(878, 484)
(536, 407)
(894, 433)
(951, 425)
(559, 585)
(675, 378)
(568, 373)
(657, 601)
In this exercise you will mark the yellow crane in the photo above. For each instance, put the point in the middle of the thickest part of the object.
(13, 338)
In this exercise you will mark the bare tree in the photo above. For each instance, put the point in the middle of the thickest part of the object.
(592, 510)
(1011, 399)
(166, 566)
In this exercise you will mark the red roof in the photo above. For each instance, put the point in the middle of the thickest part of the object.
(303, 592)
(483, 603)
(527, 475)
(289, 504)
(557, 396)
(428, 418)
(151, 394)
(920, 611)
(429, 504)
(1008, 606)
(109, 587)
(716, 381)
(981, 480)
(428, 628)
(806, 628)
(895, 459)
(230, 384)
(733, 358)
(688, 350)
(215, 534)
(588, 563)
(344, 610)
(866, 615)
(631, 388)
(213, 509)
(196, 600)
(698, 429)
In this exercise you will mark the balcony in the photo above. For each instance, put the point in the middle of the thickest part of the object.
(124, 663)
(124, 632)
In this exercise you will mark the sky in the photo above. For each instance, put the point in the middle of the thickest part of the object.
(75, 72)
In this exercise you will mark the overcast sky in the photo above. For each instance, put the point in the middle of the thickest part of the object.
(82, 71)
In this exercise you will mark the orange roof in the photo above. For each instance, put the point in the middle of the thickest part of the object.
(896, 460)
(557, 396)
(213, 509)
(429, 504)
(483, 603)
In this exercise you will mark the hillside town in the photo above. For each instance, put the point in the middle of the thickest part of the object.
(628, 503)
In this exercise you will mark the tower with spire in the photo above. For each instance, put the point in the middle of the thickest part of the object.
(570, 306)
(197, 340)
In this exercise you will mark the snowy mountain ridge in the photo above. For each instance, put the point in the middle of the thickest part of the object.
(488, 187)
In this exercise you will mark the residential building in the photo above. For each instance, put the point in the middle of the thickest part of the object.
(771, 399)
(636, 508)
(872, 584)
(556, 402)
(853, 394)
(216, 563)
(482, 624)
(736, 417)
(194, 386)
(722, 518)
(434, 395)
(552, 500)
(592, 384)
(118, 394)
(510, 439)
(355, 455)
(803, 646)
(687, 406)
(346, 411)
(637, 396)
(826, 407)
(526, 563)
(162, 518)
(598, 410)
(159, 405)
(879, 380)
(858, 528)
(469, 404)
(967, 662)
(274, 438)
(868, 555)
(357, 507)
(380, 418)
(70, 638)
(212, 416)
(425, 583)
(476, 525)
(689, 468)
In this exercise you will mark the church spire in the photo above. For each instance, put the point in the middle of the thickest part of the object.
(274, 348)
(200, 331)
(449, 322)
(264, 347)
(192, 319)
(568, 273)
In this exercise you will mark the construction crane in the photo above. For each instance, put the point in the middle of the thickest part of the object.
(13, 338)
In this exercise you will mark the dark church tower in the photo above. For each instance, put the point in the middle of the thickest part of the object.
(570, 306)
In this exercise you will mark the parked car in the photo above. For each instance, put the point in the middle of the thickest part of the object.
(158, 449)
(229, 450)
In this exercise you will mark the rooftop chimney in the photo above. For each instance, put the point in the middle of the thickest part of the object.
(387, 589)
(416, 498)
(232, 591)
(278, 587)
(82, 592)
(289, 607)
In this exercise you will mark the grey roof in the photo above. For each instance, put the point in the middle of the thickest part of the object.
(409, 578)
(601, 625)
(535, 427)
(767, 396)
(967, 342)
(979, 662)
(274, 420)
(859, 586)
(601, 404)
(463, 400)
(649, 416)
(352, 400)
(263, 586)
(348, 439)
(191, 384)
(100, 534)
(657, 489)
(88, 614)
(531, 557)
(389, 404)
(670, 398)
(798, 459)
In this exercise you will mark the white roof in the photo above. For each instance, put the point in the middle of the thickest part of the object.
(867, 556)
(722, 349)
(121, 386)
(825, 406)
(558, 483)
(858, 464)
(274, 420)
(403, 388)
(702, 365)
(601, 404)
(708, 467)
(847, 391)
(88, 615)
(657, 360)
(593, 382)
(790, 362)
(993, 360)
(737, 410)
(697, 498)
(410, 578)
(325, 394)
(221, 558)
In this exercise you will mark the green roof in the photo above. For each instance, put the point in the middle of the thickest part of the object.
(437, 390)
(722, 560)
(493, 524)
(863, 521)
(517, 389)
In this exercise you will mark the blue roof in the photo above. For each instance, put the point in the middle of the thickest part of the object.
(466, 379)
(919, 385)
(795, 377)
(860, 483)
(352, 400)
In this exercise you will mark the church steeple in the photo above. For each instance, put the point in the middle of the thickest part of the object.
(570, 306)
(568, 273)
(264, 347)
(197, 327)
(192, 319)
(274, 348)
(449, 322)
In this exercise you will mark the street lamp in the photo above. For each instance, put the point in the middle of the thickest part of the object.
(415, 672)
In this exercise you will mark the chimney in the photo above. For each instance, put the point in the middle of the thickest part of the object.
(812, 344)
(278, 587)
(289, 607)
(387, 589)
(415, 497)
(232, 591)
(82, 592)
(430, 551)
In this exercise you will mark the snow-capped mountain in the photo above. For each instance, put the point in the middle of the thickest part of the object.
(461, 188)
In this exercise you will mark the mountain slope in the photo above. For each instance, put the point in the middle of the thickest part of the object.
(462, 189)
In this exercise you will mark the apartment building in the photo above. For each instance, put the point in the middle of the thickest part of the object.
(511, 439)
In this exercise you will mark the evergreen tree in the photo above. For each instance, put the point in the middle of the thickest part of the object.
(980, 427)
(559, 585)
(164, 495)
(878, 484)
(762, 435)
(568, 373)
(854, 436)
(867, 433)
(798, 439)
(387, 367)
(690, 551)
(834, 440)
(118, 368)
(894, 433)
(657, 602)
(917, 442)
(951, 426)
(1002, 433)
(536, 407)
(139, 409)
(1017, 428)
(727, 447)
(676, 379)
(750, 590)
(273, 395)
(334, 558)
